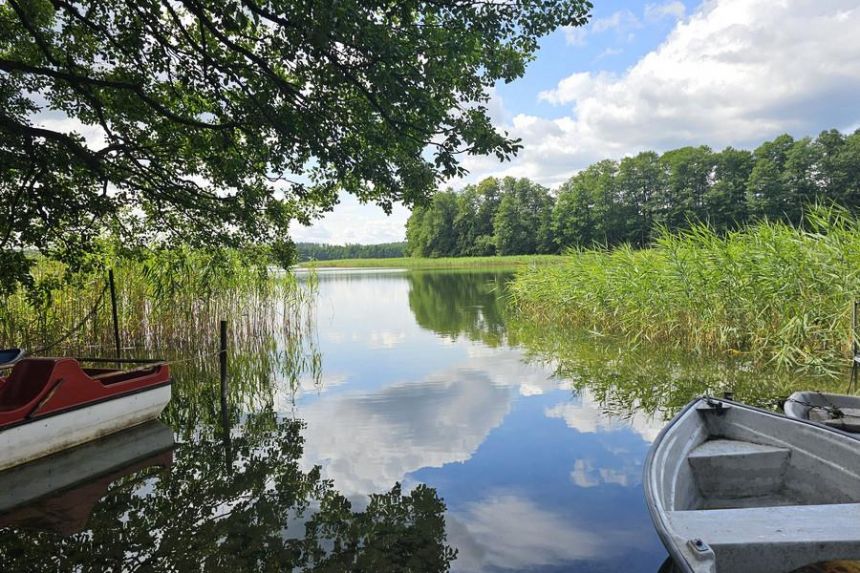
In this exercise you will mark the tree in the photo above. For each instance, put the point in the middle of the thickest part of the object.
(219, 122)
(688, 172)
(430, 230)
(489, 197)
(465, 220)
(640, 180)
(767, 192)
(848, 162)
(523, 221)
(801, 173)
(725, 200)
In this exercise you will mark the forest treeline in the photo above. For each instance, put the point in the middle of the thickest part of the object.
(631, 201)
(323, 252)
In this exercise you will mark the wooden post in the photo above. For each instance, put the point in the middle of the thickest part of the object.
(222, 360)
(115, 314)
(225, 413)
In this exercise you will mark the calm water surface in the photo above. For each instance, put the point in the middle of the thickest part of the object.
(406, 431)
(421, 387)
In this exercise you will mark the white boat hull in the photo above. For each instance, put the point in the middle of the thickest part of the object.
(28, 482)
(53, 433)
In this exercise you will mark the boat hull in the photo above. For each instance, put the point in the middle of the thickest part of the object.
(44, 435)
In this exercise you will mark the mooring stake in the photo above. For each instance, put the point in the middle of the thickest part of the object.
(115, 315)
(222, 360)
(225, 413)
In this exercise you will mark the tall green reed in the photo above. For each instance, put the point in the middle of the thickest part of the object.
(170, 302)
(778, 294)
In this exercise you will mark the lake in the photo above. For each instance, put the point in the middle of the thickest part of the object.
(414, 425)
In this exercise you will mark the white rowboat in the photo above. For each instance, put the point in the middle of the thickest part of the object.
(736, 488)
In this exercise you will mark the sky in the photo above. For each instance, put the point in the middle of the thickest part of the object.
(657, 76)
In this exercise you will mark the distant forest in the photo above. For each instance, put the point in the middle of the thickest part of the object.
(630, 201)
(322, 252)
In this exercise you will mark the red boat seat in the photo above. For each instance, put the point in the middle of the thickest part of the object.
(27, 379)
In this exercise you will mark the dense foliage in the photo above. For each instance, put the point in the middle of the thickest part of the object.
(777, 293)
(324, 252)
(634, 200)
(220, 121)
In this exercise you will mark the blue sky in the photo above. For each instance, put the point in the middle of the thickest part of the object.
(658, 75)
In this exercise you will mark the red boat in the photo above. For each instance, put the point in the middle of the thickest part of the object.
(50, 404)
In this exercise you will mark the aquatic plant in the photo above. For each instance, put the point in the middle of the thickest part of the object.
(779, 294)
(170, 302)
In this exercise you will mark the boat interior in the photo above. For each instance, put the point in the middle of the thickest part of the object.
(764, 492)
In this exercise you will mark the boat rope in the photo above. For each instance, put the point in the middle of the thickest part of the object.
(77, 327)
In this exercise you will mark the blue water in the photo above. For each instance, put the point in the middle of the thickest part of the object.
(534, 476)
(416, 379)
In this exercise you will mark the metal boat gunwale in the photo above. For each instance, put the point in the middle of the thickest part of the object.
(657, 517)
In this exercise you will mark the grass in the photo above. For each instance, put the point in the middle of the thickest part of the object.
(777, 294)
(167, 299)
(170, 303)
(441, 263)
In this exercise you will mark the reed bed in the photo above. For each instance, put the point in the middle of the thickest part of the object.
(170, 303)
(779, 295)
(170, 299)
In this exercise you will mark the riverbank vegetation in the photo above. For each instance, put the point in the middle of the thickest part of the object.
(325, 252)
(441, 263)
(776, 293)
(167, 299)
(633, 201)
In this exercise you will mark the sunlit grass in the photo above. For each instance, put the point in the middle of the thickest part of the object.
(170, 304)
(442, 262)
(777, 294)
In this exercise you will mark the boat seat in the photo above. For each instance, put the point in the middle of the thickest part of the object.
(27, 379)
(738, 469)
(753, 539)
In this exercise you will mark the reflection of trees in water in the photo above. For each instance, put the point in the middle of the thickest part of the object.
(255, 512)
(624, 376)
(460, 303)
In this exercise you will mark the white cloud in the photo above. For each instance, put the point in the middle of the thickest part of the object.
(736, 72)
(588, 417)
(366, 443)
(506, 531)
(349, 222)
(585, 474)
(620, 22)
(672, 8)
